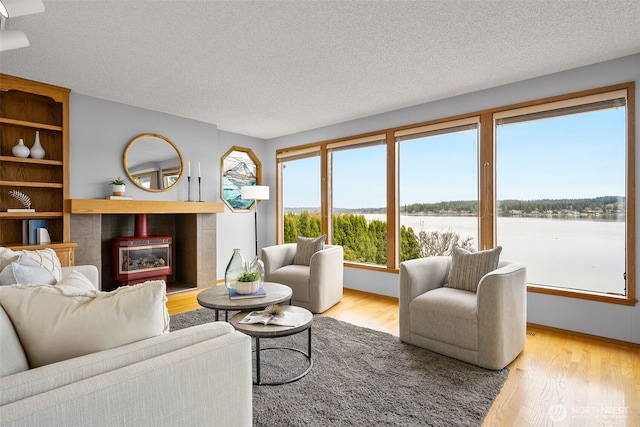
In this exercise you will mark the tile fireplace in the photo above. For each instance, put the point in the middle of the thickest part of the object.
(95, 223)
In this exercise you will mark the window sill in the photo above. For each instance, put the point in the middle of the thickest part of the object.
(591, 296)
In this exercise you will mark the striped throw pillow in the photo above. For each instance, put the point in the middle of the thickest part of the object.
(306, 247)
(467, 268)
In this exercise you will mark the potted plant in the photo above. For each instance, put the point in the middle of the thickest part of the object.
(248, 282)
(118, 186)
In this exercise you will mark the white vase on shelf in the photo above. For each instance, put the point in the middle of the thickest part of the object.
(37, 152)
(20, 150)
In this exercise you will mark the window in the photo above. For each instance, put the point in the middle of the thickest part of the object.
(358, 202)
(438, 181)
(300, 178)
(552, 181)
(561, 192)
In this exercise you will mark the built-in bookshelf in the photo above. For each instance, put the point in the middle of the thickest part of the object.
(27, 107)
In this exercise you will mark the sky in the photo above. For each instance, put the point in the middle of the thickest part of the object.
(577, 156)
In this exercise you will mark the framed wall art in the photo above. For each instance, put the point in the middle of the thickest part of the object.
(239, 167)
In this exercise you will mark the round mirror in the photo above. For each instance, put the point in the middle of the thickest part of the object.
(152, 162)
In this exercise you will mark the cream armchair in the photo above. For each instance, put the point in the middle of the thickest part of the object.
(486, 328)
(316, 287)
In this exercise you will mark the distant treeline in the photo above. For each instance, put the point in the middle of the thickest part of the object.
(596, 205)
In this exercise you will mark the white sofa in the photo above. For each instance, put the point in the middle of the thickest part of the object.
(195, 376)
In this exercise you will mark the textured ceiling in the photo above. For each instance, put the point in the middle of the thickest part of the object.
(272, 68)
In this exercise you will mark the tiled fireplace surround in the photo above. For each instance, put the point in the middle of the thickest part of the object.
(194, 244)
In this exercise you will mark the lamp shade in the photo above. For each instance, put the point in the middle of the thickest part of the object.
(12, 39)
(254, 192)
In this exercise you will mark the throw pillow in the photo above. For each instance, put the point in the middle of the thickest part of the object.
(57, 323)
(25, 271)
(76, 281)
(47, 258)
(306, 247)
(467, 268)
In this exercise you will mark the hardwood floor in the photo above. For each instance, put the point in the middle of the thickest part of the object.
(559, 379)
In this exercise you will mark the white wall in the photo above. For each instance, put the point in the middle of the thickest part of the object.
(608, 320)
(99, 132)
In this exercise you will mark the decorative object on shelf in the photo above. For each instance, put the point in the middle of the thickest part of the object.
(43, 237)
(248, 282)
(37, 152)
(31, 231)
(118, 186)
(239, 167)
(235, 267)
(256, 193)
(199, 184)
(22, 198)
(20, 150)
(189, 183)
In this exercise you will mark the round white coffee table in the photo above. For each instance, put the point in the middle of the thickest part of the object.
(217, 298)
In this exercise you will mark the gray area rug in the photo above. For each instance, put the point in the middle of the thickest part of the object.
(363, 377)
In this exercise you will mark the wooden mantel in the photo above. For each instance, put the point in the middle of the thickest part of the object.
(104, 206)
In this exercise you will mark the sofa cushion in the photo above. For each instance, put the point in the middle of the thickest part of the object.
(60, 322)
(467, 268)
(12, 357)
(78, 282)
(47, 258)
(306, 247)
(26, 271)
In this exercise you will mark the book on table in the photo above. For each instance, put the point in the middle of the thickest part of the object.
(284, 319)
(260, 293)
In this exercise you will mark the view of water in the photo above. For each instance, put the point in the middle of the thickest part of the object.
(572, 253)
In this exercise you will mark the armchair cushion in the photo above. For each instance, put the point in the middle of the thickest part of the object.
(60, 322)
(467, 268)
(26, 271)
(306, 247)
(446, 315)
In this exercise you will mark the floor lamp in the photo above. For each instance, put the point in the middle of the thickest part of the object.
(255, 193)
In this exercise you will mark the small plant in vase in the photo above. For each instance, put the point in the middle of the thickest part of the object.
(118, 186)
(248, 282)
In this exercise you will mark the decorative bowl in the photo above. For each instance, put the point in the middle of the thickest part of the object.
(247, 287)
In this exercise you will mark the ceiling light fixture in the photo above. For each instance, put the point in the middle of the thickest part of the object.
(3, 10)
(15, 39)
(21, 7)
(12, 39)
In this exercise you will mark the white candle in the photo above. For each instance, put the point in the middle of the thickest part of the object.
(189, 173)
(198, 169)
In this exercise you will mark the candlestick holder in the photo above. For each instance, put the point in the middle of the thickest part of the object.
(189, 189)
(199, 190)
